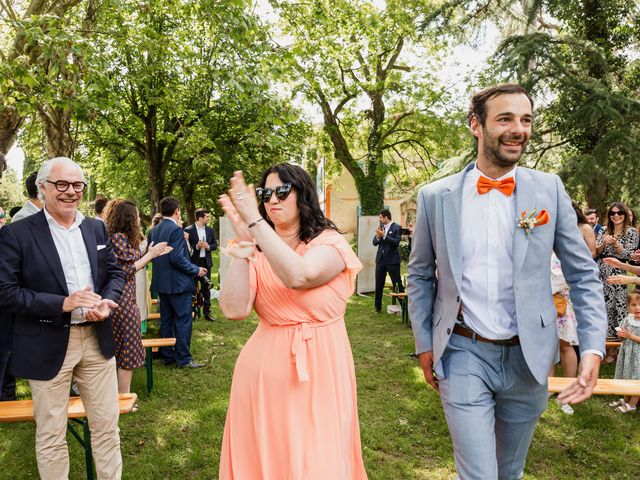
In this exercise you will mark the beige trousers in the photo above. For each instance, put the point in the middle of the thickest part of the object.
(98, 385)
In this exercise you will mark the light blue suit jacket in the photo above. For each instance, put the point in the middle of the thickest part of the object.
(435, 269)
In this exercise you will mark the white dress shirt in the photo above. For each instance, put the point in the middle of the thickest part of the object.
(202, 235)
(73, 257)
(488, 224)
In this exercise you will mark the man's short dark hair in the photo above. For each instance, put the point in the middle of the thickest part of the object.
(591, 211)
(200, 212)
(477, 108)
(168, 206)
(385, 212)
(99, 204)
(14, 210)
(30, 185)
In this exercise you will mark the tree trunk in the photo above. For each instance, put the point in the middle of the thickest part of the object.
(57, 128)
(10, 123)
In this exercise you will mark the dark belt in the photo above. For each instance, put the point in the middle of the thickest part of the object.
(82, 324)
(464, 332)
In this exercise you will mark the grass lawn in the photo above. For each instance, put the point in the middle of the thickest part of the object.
(176, 433)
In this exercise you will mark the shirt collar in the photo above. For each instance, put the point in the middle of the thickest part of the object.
(169, 218)
(475, 173)
(51, 221)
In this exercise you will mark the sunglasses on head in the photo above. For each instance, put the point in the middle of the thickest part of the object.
(617, 213)
(281, 191)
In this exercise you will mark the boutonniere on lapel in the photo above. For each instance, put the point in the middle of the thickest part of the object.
(528, 222)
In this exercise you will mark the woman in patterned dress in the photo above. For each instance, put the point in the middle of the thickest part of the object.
(618, 240)
(123, 224)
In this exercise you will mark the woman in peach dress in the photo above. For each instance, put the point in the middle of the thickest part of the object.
(293, 411)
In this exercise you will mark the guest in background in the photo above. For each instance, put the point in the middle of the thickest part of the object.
(203, 241)
(594, 220)
(172, 279)
(99, 206)
(34, 204)
(617, 239)
(123, 224)
(293, 407)
(387, 239)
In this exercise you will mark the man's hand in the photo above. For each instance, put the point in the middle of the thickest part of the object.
(426, 362)
(84, 298)
(202, 272)
(203, 244)
(101, 312)
(581, 389)
(379, 232)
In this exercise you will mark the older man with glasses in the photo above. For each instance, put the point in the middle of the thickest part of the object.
(60, 279)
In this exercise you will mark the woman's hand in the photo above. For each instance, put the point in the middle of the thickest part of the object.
(158, 249)
(622, 280)
(240, 249)
(609, 240)
(239, 226)
(614, 262)
(244, 200)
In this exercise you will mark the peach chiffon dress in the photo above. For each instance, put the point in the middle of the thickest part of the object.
(293, 412)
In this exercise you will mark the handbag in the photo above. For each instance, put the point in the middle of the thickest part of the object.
(560, 302)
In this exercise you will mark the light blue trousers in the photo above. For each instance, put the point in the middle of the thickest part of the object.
(492, 404)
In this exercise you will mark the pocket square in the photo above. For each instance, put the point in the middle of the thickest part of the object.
(100, 247)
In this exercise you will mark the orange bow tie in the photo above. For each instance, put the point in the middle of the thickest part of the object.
(506, 185)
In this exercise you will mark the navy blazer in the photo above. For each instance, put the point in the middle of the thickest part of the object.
(388, 246)
(33, 287)
(192, 230)
(172, 273)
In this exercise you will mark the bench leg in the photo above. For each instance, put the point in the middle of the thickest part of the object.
(148, 364)
(85, 441)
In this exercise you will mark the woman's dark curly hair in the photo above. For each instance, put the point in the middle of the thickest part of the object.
(122, 217)
(312, 219)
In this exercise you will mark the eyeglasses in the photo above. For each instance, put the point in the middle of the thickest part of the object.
(281, 191)
(63, 185)
(616, 213)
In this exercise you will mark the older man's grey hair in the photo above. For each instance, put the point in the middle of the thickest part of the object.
(45, 171)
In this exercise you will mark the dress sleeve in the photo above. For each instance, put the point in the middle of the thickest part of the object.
(337, 241)
(125, 253)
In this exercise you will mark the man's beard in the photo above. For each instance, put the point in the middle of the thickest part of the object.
(493, 155)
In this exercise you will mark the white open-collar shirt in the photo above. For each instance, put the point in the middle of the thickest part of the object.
(488, 224)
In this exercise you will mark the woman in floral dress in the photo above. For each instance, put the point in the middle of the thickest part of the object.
(123, 224)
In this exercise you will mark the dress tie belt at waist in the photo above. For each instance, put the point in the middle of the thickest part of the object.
(303, 332)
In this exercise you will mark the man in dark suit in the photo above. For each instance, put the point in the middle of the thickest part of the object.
(387, 239)
(202, 241)
(60, 279)
(173, 280)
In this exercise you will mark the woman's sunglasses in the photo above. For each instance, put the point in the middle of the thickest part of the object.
(616, 213)
(281, 191)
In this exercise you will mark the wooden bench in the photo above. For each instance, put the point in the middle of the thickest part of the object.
(22, 411)
(153, 345)
(613, 343)
(404, 305)
(605, 386)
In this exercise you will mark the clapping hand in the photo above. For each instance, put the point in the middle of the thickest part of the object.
(622, 333)
(609, 239)
(613, 262)
(101, 312)
(240, 206)
(84, 298)
(241, 250)
(622, 279)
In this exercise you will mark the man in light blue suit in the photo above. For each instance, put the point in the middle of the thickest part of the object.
(480, 293)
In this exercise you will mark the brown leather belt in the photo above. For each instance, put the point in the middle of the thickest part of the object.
(464, 332)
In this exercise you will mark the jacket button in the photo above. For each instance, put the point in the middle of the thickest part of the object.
(448, 331)
(458, 299)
